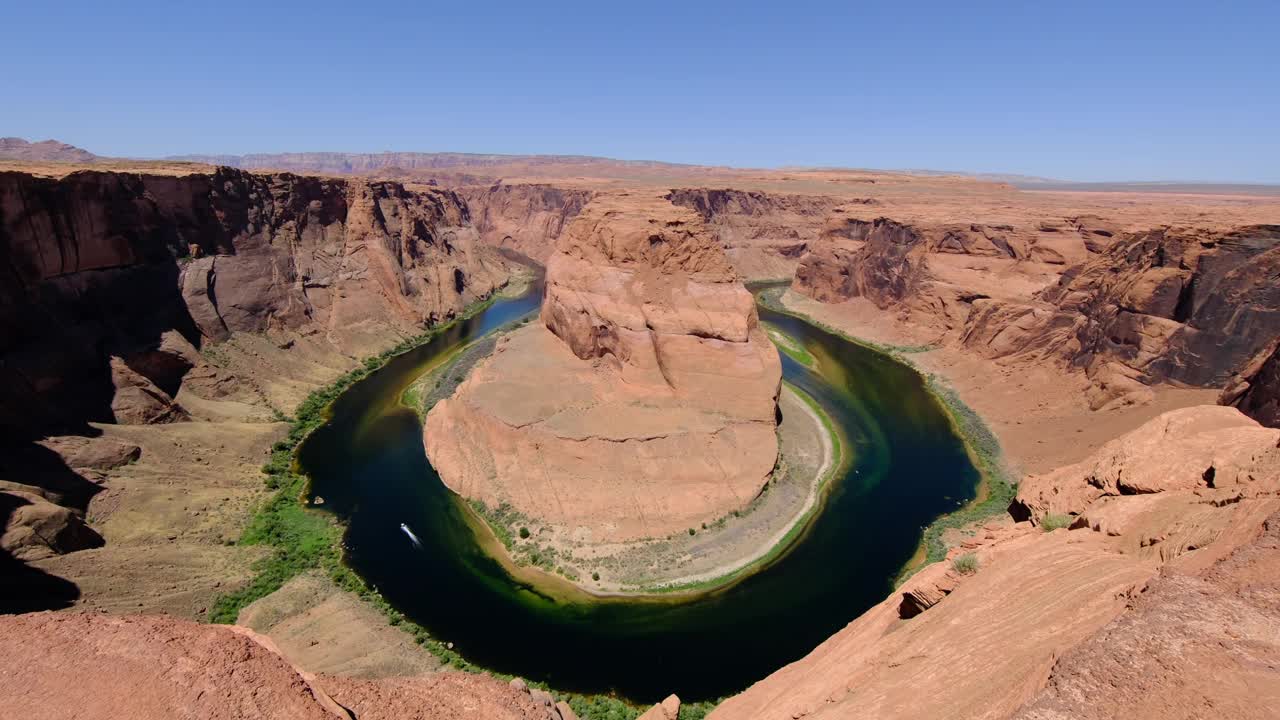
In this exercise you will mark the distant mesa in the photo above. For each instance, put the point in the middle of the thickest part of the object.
(12, 148)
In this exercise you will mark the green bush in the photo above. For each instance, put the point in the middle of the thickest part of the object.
(524, 533)
(1055, 521)
(692, 531)
(595, 576)
(966, 564)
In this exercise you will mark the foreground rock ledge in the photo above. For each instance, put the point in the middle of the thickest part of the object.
(1159, 602)
(643, 402)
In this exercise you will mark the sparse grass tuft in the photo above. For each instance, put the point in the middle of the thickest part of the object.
(1056, 521)
(965, 564)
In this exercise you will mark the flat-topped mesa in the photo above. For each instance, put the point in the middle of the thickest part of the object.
(643, 404)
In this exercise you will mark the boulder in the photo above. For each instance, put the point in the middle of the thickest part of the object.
(35, 528)
(668, 709)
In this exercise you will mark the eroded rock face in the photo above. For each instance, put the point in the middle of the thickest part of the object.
(35, 528)
(1196, 447)
(1255, 389)
(154, 668)
(1184, 305)
(1060, 619)
(1181, 305)
(114, 279)
(528, 219)
(885, 264)
(763, 234)
(642, 404)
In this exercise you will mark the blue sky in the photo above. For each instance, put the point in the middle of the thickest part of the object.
(1076, 90)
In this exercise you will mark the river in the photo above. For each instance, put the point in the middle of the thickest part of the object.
(908, 468)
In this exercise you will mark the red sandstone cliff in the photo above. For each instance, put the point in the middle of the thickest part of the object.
(1056, 623)
(113, 280)
(528, 219)
(1189, 306)
(763, 234)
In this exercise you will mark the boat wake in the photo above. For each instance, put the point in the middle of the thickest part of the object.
(412, 538)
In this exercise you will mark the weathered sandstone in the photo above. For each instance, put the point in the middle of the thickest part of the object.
(154, 668)
(1255, 389)
(1199, 447)
(528, 219)
(763, 234)
(982, 645)
(114, 279)
(1184, 305)
(644, 401)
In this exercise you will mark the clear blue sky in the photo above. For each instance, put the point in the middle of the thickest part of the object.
(1121, 90)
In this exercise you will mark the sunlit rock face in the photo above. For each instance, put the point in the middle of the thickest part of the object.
(644, 400)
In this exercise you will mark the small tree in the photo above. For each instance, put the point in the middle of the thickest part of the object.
(524, 533)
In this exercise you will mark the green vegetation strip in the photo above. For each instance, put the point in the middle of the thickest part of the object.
(789, 346)
(999, 483)
(302, 539)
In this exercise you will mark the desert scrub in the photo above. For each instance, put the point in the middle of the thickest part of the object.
(1056, 521)
(302, 539)
(984, 451)
(966, 564)
(790, 346)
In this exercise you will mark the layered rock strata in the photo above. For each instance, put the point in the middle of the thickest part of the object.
(1029, 623)
(643, 401)
(1183, 305)
(113, 281)
(764, 234)
(528, 219)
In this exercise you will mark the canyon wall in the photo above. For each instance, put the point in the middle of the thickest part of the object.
(1183, 305)
(763, 234)
(1255, 389)
(525, 218)
(113, 280)
(1189, 306)
(643, 402)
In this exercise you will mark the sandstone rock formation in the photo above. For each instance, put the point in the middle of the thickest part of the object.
(1190, 646)
(155, 668)
(113, 279)
(1255, 389)
(1185, 305)
(644, 401)
(1067, 609)
(525, 218)
(1198, 447)
(764, 234)
(668, 709)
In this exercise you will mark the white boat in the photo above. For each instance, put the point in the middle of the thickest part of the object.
(413, 538)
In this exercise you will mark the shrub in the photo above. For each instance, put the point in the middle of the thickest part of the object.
(595, 576)
(524, 533)
(1054, 521)
(692, 531)
(966, 564)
